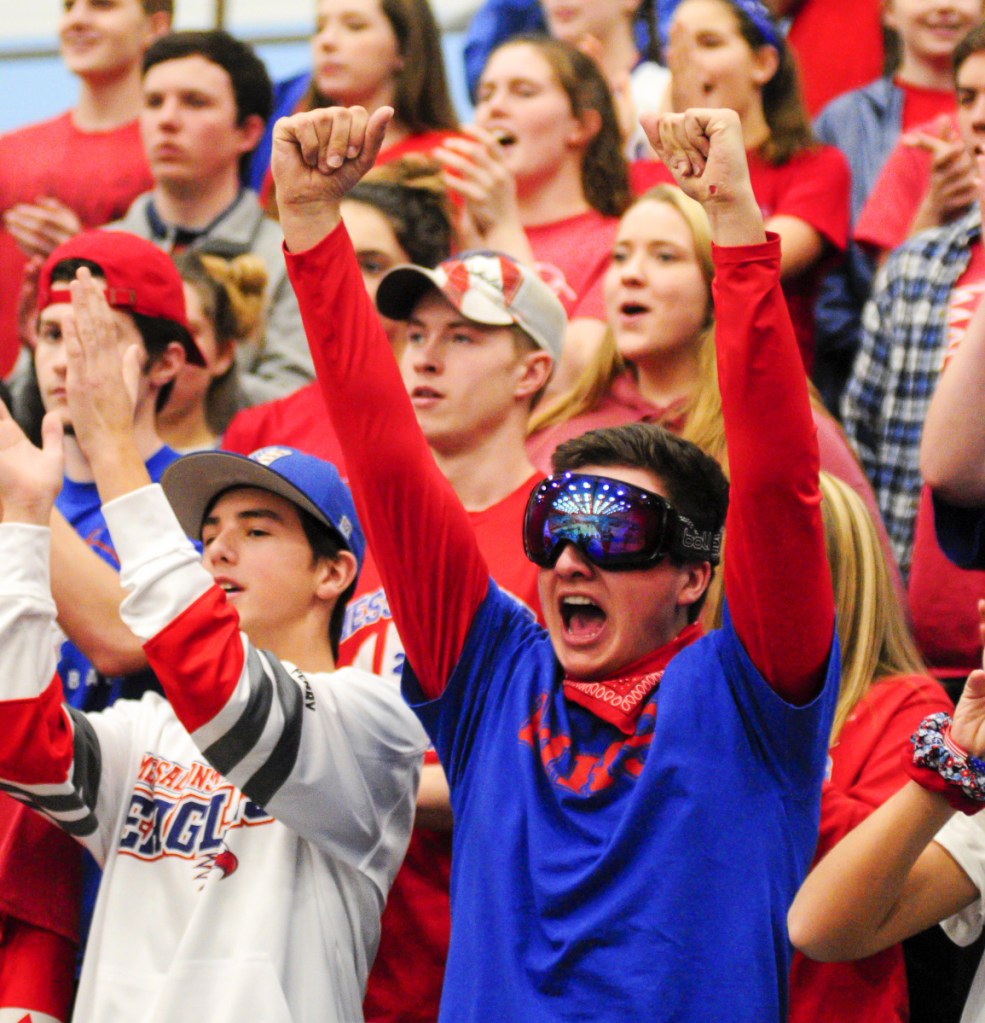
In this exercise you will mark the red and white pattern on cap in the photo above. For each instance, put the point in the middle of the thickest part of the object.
(458, 281)
(497, 272)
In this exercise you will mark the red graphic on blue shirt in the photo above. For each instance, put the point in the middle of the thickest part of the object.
(587, 773)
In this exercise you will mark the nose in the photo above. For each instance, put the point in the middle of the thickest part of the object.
(167, 112)
(58, 361)
(573, 564)
(426, 355)
(326, 38)
(75, 13)
(631, 268)
(221, 549)
(491, 104)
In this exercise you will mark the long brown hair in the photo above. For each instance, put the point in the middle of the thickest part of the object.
(783, 102)
(421, 100)
(604, 172)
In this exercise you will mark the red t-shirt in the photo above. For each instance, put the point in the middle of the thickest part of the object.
(622, 404)
(944, 598)
(97, 174)
(885, 220)
(838, 45)
(298, 420)
(571, 256)
(865, 770)
(922, 106)
(814, 187)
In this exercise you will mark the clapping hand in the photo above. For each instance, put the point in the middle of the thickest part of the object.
(102, 380)
(30, 479)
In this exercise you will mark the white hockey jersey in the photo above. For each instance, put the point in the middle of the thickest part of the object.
(244, 882)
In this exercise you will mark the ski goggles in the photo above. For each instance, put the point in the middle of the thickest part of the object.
(615, 525)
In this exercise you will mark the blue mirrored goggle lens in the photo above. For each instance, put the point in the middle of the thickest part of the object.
(614, 524)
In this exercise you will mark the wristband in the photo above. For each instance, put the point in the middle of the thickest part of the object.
(939, 764)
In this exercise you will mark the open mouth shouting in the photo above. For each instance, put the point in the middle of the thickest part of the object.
(583, 619)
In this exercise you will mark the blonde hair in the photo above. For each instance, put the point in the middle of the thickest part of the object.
(233, 297)
(872, 632)
(596, 379)
(243, 281)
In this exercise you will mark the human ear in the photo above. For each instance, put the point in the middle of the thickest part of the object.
(250, 133)
(335, 575)
(766, 63)
(158, 24)
(587, 125)
(167, 365)
(224, 360)
(535, 370)
(695, 577)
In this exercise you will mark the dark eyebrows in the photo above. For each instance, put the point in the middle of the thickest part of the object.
(249, 515)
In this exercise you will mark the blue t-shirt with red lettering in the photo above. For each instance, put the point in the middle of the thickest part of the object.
(600, 876)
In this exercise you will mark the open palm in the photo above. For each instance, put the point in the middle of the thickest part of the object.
(30, 478)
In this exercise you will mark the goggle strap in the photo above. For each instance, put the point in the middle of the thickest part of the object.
(692, 540)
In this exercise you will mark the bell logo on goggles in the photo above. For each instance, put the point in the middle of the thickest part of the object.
(614, 524)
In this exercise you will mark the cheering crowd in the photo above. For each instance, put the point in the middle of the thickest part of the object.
(524, 569)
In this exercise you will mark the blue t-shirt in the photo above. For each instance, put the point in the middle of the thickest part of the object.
(83, 686)
(598, 876)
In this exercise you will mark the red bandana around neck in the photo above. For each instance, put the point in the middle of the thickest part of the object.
(620, 700)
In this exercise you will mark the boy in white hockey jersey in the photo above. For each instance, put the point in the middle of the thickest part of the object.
(249, 827)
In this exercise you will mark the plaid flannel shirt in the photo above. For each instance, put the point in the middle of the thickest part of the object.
(904, 337)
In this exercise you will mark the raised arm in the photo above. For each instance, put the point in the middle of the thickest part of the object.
(421, 538)
(49, 755)
(335, 763)
(776, 574)
(888, 879)
(88, 595)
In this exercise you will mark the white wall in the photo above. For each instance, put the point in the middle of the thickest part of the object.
(32, 89)
(33, 21)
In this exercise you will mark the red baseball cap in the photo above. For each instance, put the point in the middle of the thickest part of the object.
(140, 278)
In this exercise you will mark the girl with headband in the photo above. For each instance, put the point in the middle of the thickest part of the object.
(729, 53)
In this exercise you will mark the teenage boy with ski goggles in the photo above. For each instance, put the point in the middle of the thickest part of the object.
(635, 803)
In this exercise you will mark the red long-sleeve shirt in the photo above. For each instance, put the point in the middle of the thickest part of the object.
(776, 574)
